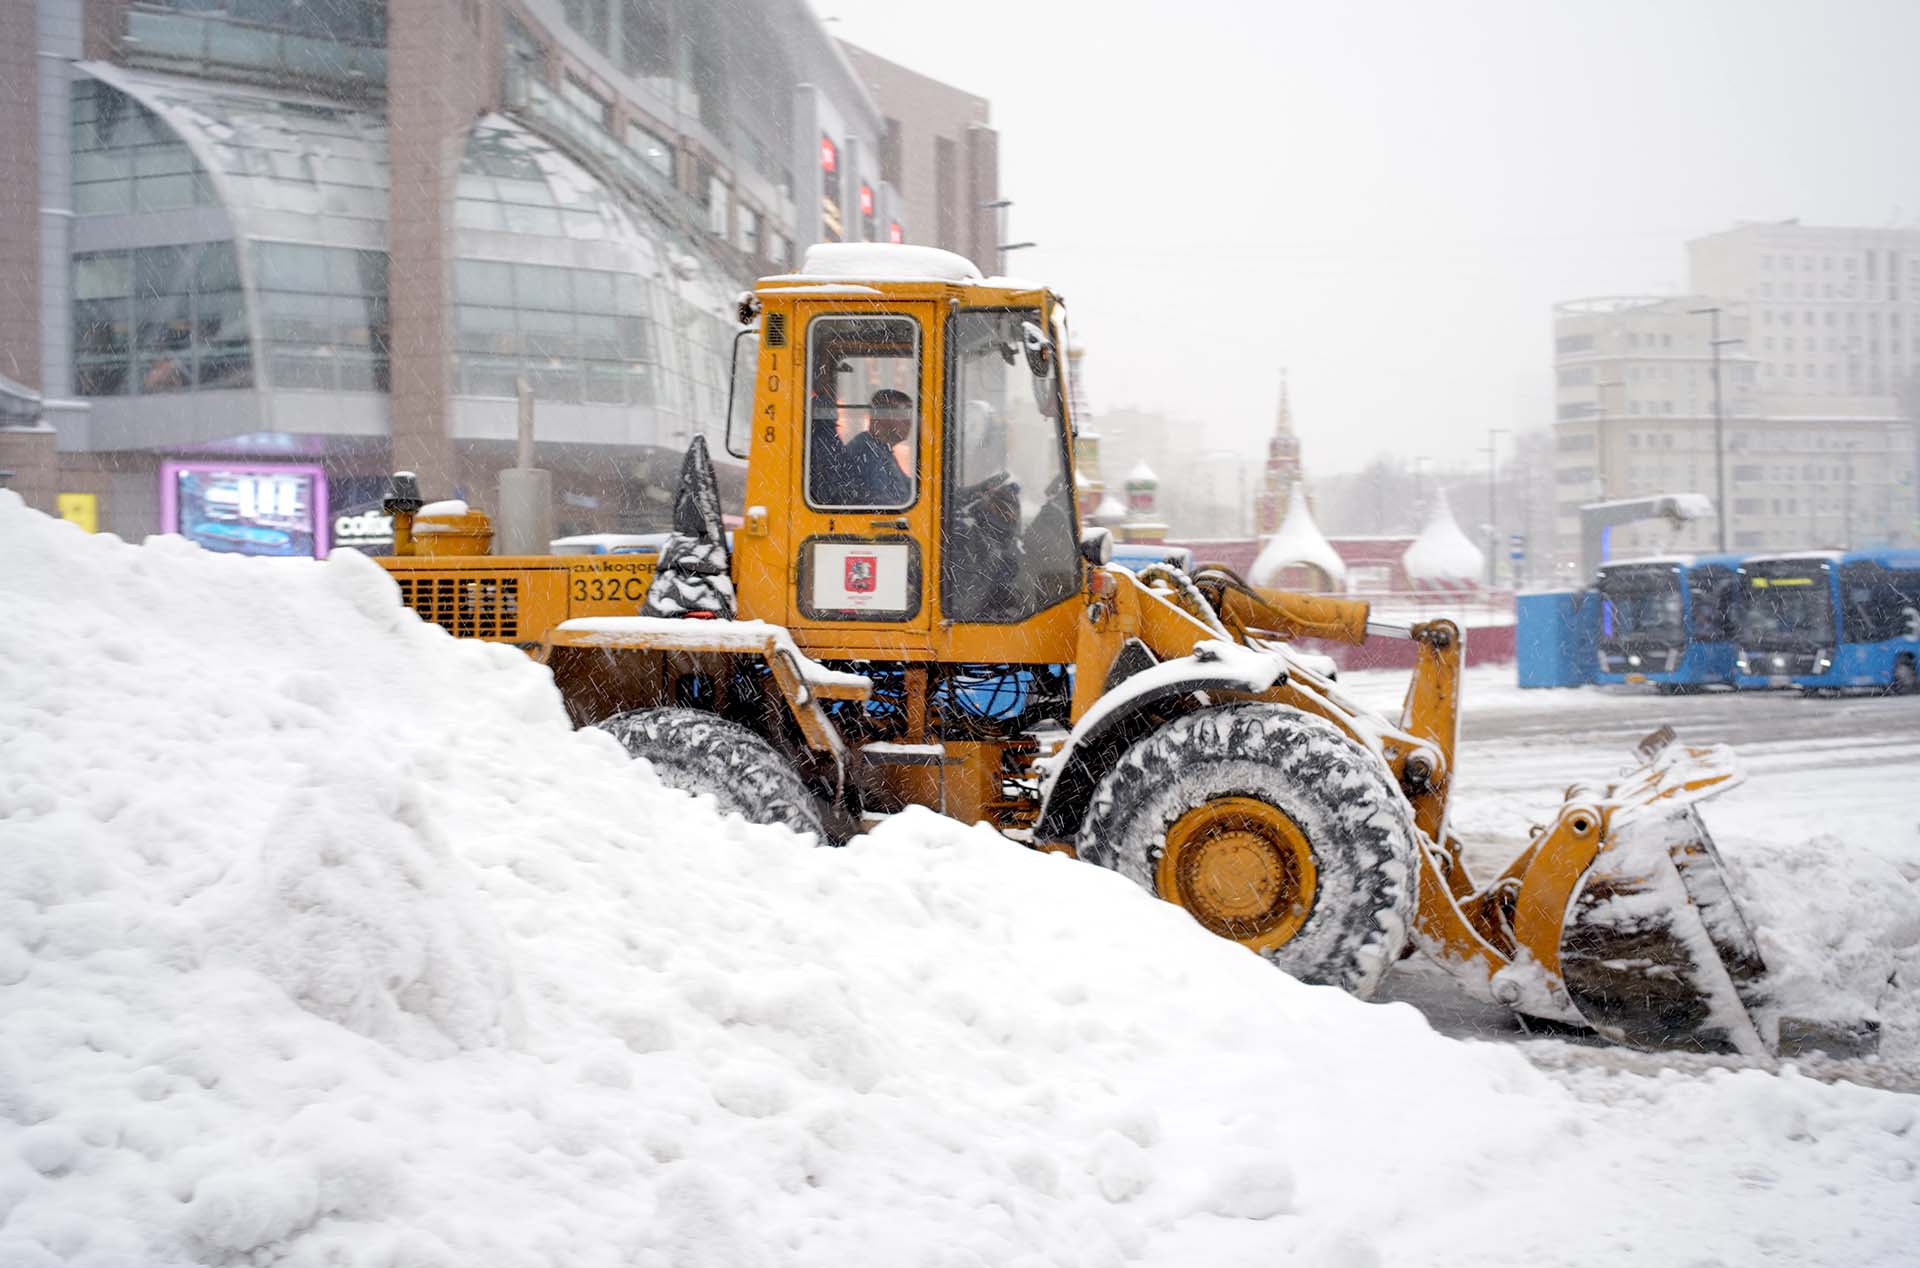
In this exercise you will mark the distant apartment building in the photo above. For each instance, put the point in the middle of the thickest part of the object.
(1819, 361)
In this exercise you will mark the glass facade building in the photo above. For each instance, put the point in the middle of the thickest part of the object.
(243, 278)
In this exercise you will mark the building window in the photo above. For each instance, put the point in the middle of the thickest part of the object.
(575, 334)
(583, 99)
(126, 158)
(719, 207)
(890, 166)
(159, 319)
(324, 316)
(651, 149)
(1567, 344)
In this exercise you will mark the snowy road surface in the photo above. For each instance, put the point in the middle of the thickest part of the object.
(324, 940)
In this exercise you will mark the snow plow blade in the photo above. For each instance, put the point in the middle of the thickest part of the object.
(1654, 950)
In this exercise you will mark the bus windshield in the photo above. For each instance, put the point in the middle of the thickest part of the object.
(1640, 602)
(1787, 605)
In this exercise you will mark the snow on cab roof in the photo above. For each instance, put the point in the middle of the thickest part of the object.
(882, 262)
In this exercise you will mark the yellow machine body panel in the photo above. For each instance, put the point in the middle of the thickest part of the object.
(518, 599)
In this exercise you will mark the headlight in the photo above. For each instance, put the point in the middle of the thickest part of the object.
(1824, 663)
(1743, 665)
(1634, 659)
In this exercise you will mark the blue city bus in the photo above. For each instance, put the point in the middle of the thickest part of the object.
(1827, 620)
(1668, 621)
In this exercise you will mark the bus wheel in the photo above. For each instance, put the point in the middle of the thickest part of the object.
(1905, 680)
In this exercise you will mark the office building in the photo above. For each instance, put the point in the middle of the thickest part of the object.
(1819, 351)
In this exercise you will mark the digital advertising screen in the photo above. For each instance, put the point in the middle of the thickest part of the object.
(246, 509)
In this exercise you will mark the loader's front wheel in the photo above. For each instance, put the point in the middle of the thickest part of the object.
(1271, 828)
(700, 753)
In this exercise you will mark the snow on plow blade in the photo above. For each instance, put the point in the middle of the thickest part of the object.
(1655, 951)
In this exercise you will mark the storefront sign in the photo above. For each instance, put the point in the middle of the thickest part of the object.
(246, 509)
(366, 528)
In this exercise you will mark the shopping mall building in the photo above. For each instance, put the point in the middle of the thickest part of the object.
(256, 254)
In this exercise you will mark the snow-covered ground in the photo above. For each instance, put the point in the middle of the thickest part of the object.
(325, 941)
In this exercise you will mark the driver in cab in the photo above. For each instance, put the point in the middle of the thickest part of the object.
(865, 471)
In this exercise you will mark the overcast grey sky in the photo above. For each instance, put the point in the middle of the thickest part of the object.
(1387, 197)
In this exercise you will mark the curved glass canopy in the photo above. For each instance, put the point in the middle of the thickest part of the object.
(558, 277)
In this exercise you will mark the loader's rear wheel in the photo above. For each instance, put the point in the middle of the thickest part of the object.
(1271, 828)
(700, 753)
(1906, 681)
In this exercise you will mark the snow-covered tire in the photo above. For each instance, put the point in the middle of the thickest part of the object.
(698, 752)
(1221, 812)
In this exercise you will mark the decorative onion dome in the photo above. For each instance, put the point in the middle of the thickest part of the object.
(1443, 556)
(1110, 511)
(1299, 543)
(1141, 478)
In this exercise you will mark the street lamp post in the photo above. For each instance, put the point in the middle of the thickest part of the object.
(1719, 425)
(1000, 246)
(1493, 516)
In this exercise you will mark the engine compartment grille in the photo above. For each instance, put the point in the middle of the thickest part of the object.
(466, 606)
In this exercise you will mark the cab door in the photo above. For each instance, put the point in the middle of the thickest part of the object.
(863, 518)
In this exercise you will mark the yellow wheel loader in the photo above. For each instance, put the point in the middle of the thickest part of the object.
(909, 614)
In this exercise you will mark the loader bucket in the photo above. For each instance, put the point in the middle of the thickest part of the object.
(1654, 950)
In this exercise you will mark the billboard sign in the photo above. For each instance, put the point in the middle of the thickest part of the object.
(240, 508)
(367, 528)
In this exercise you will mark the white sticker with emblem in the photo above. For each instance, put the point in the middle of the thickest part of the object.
(860, 576)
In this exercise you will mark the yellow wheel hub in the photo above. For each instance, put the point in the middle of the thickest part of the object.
(1242, 868)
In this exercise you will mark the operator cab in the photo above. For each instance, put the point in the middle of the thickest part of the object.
(909, 464)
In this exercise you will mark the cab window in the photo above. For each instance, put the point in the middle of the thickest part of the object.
(863, 386)
(1007, 537)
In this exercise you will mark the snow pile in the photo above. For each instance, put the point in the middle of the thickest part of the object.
(1442, 556)
(1298, 541)
(324, 940)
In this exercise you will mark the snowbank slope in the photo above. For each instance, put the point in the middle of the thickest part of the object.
(324, 940)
